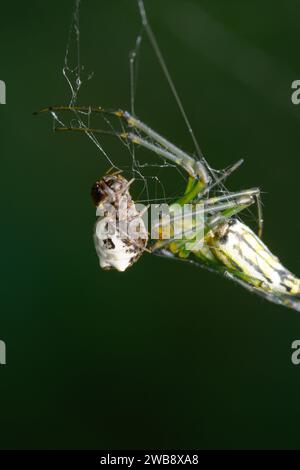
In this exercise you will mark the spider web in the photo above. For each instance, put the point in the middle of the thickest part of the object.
(148, 183)
(147, 172)
(151, 172)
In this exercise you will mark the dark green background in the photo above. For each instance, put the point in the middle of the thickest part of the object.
(164, 355)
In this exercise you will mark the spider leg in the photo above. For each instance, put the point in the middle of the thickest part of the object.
(197, 170)
(162, 146)
(230, 196)
(250, 283)
(247, 192)
(260, 215)
(224, 176)
(224, 212)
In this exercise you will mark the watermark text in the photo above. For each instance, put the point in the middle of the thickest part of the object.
(2, 92)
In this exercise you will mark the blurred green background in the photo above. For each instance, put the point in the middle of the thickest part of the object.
(164, 355)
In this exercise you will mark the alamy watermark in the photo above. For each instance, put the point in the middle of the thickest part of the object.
(2, 92)
(295, 357)
(295, 97)
(2, 352)
(167, 222)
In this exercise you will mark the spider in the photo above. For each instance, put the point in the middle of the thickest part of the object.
(229, 247)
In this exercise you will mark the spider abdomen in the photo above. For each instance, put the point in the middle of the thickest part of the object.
(239, 248)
